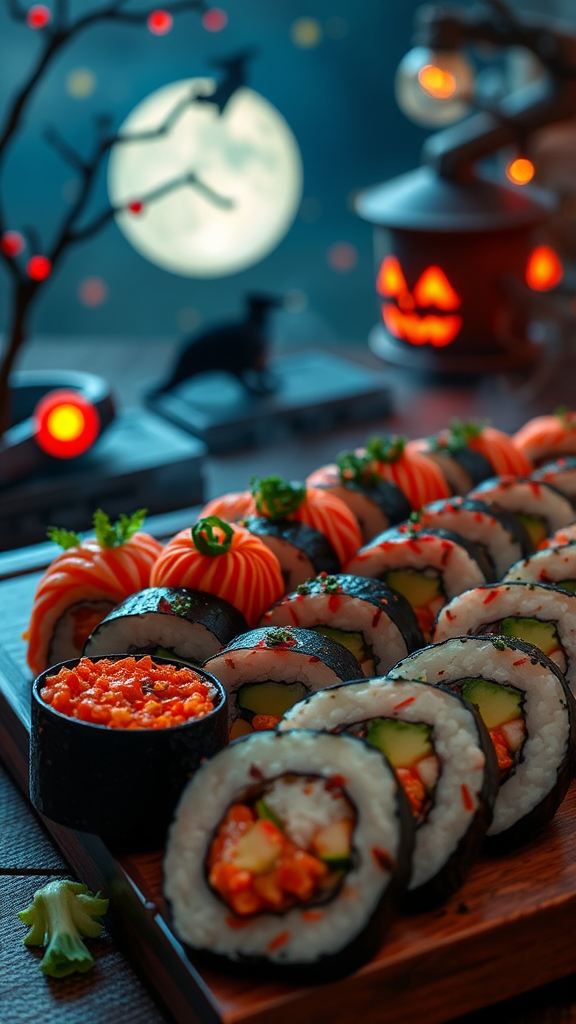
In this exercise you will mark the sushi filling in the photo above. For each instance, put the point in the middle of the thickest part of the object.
(287, 843)
(537, 526)
(424, 591)
(542, 634)
(355, 642)
(501, 708)
(409, 748)
(74, 627)
(262, 705)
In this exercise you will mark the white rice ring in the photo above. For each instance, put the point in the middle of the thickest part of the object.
(551, 565)
(527, 497)
(458, 570)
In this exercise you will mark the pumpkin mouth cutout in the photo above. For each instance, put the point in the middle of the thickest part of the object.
(424, 316)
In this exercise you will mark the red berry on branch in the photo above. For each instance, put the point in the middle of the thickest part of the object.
(39, 268)
(12, 243)
(215, 19)
(38, 16)
(136, 206)
(160, 22)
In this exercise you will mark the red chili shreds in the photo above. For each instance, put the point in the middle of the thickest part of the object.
(334, 602)
(165, 606)
(535, 488)
(335, 782)
(478, 517)
(236, 922)
(129, 693)
(293, 615)
(449, 615)
(312, 915)
(466, 798)
(278, 941)
(313, 659)
(446, 552)
(491, 596)
(521, 661)
(229, 662)
(414, 546)
(256, 773)
(376, 618)
(544, 577)
(404, 703)
(383, 859)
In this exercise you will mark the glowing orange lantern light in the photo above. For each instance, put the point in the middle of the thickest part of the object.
(437, 82)
(432, 291)
(544, 270)
(66, 424)
(520, 171)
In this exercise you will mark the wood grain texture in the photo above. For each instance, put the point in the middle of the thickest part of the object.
(511, 928)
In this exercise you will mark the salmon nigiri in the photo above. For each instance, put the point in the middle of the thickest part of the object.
(84, 583)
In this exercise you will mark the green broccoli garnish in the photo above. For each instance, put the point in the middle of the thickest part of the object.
(60, 913)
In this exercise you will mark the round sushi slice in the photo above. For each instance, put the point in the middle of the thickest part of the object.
(168, 622)
(443, 757)
(555, 565)
(501, 536)
(537, 506)
(468, 453)
(375, 623)
(268, 670)
(84, 583)
(428, 567)
(530, 714)
(377, 504)
(289, 852)
(560, 474)
(547, 437)
(564, 536)
(301, 550)
(540, 614)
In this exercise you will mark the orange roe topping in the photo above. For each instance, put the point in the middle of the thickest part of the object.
(129, 693)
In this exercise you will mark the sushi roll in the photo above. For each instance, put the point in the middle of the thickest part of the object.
(390, 459)
(496, 531)
(547, 437)
(372, 621)
(530, 714)
(564, 536)
(168, 622)
(443, 757)
(84, 584)
(268, 670)
(301, 551)
(428, 567)
(540, 614)
(224, 559)
(560, 474)
(555, 565)
(377, 504)
(289, 853)
(468, 453)
(537, 506)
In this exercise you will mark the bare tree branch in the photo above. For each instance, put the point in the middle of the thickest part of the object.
(70, 155)
(16, 10)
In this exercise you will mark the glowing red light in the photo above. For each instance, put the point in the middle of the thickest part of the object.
(38, 16)
(12, 243)
(66, 424)
(215, 19)
(39, 268)
(434, 289)
(544, 270)
(136, 206)
(160, 22)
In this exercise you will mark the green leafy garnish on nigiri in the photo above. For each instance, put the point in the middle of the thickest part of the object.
(108, 535)
(277, 498)
(59, 915)
(65, 538)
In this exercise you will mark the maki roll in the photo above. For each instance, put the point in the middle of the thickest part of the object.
(289, 852)
(560, 474)
(169, 622)
(444, 760)
(547, 437)
(555, 565)
(372, 621)
(301, 551)
(377, 504)
(537, 506)
(428, 567)
(268, 670)
(468, 453)
(496, 531)
(530, 714)
(540, 614)
(84, 583)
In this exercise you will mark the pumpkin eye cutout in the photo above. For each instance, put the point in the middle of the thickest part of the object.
(544, 270)
(434, 289)
(390, 281)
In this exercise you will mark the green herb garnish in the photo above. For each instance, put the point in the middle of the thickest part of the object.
(267, 814)
(304, 588)
(279, 636)
(212, 536)
(361, 469)
(277, 498)
(500, 645)
(115, 535)
(61, 912)
(65, 538)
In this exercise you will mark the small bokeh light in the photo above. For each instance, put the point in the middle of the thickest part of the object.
(433, 87)
(65, 424)
(520, 171)
(544, 270)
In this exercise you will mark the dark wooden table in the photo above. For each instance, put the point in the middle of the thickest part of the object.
(28, 859)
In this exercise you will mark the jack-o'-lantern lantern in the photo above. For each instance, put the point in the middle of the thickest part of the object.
(452, 256)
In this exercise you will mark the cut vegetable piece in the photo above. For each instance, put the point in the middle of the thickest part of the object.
(536, 526)
(416, 587)
(403, 743)
(270, 698)
(355, 643)
(332, 844)
(258, 849)
(267, 814)
(568, 585)
(496, 704)
(542, 634)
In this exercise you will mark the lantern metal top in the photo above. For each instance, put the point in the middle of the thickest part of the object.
(421, 200)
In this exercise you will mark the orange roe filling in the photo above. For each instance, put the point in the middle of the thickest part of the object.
(285, 875)
(129, 693)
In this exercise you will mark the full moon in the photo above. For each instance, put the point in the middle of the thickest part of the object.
(247, 170)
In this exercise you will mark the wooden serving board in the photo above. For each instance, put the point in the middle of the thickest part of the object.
(511, 928)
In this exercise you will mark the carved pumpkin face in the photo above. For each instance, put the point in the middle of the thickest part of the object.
(425, 315)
